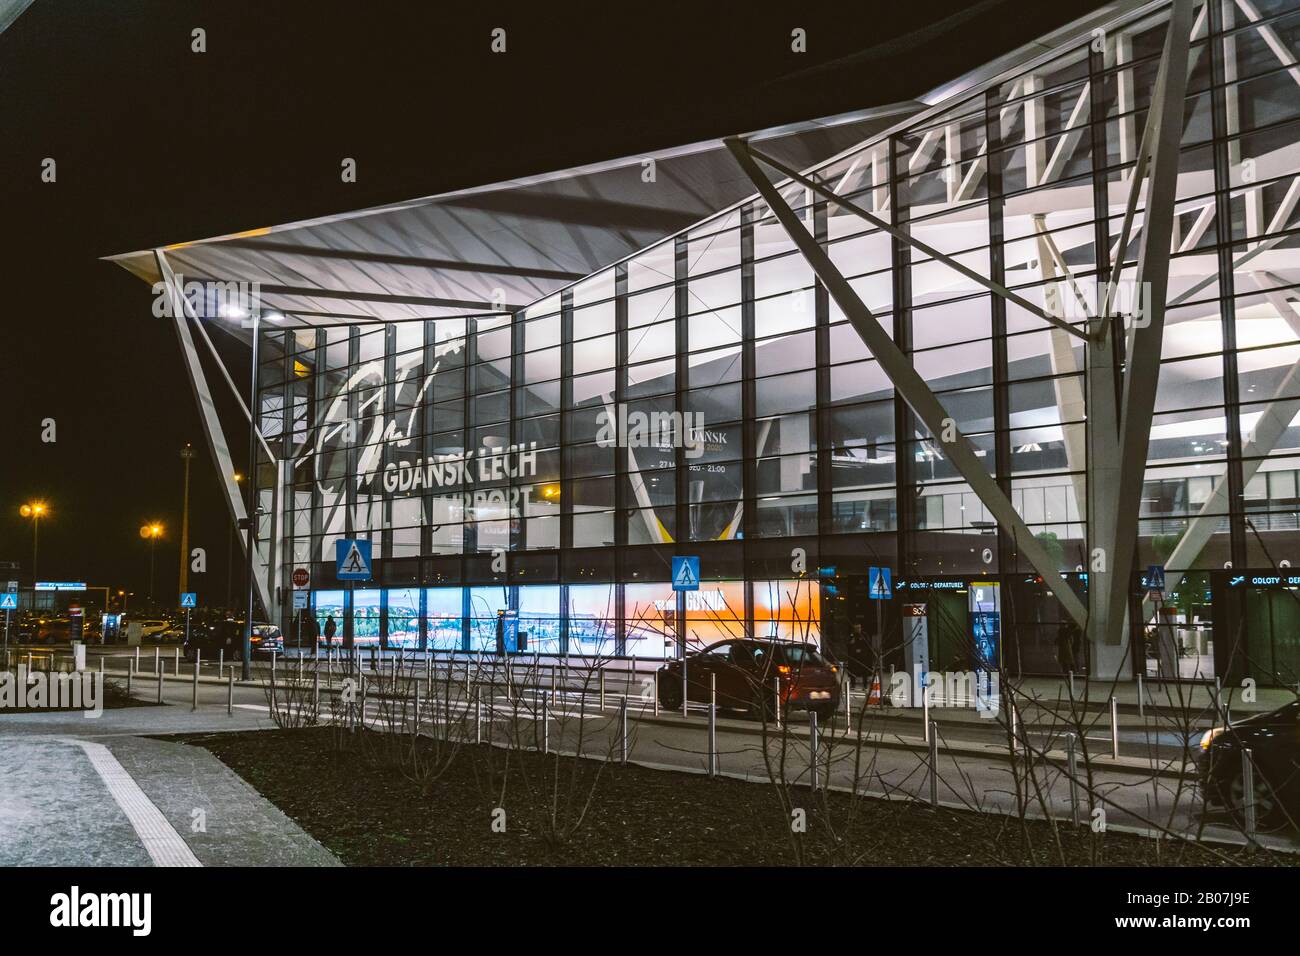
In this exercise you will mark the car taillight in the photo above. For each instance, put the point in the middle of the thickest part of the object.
(783, 668)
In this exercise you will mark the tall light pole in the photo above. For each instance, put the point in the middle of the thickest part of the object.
(187, 453)
(151, 533)
(230, 554)
(251, 508)
(34, 510)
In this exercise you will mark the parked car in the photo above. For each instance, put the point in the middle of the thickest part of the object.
(51, 630)
(1274, 742)
(228, 637)
(151, 627)
(748, 674)
(173, 635)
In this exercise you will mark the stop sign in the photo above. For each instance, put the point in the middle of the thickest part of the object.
(301, 578)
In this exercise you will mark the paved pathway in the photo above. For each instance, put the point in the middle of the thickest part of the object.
(91, 792)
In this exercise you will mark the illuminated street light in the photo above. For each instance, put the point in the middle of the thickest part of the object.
(36, 510)
(151, 532)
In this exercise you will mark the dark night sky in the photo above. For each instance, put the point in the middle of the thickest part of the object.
(156, 144)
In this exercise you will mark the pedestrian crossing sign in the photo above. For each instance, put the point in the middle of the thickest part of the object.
(686, 573)
(189, 599)
(8, 602)
(878, 584)
(352, 559)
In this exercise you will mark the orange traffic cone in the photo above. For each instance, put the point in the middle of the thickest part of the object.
(874, 697)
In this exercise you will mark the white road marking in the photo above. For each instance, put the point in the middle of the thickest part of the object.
(160, 839)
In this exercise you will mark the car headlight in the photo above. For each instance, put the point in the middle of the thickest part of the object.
(1208, 737)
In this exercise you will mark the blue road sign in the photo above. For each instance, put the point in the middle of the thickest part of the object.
(686, 573)
(189, 599)
(8, 602)
(352, 559)
(1156, 578)
(878, 584)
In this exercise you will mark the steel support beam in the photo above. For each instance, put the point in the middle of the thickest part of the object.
(1111, 577)
(909, 384)
(208, 417)
(1067, 382)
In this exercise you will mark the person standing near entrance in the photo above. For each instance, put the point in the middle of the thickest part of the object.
(1067, 646)
(331, 628)
(859, 662)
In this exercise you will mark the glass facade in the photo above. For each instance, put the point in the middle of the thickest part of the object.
(705, 396)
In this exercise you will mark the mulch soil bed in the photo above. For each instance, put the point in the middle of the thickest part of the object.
(370, 812)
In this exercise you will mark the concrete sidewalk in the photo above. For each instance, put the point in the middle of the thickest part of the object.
(91, 792)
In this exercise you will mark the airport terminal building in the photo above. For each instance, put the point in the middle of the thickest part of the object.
(941, 337)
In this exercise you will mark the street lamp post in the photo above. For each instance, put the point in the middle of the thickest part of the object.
(230, 555)
(187, 453)
(251, 508)
(151, 533)
(34, 510)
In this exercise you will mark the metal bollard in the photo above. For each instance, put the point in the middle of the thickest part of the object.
(1114, 728)
(1248, 794)
(156, 663)
(933, 735)
(656, 690)
(602, 688)
(846, 692)
(546, 725)
(137, 657)
(925, 708)
(776, 702)
(1014, 726)
(130, 673)
(194, 704)
(230, 693)
(160, 683)
(1141, 701)
(622, 734)
(1072, 765)
(686, 691)
(417, 707)
(1071, 685)
(221, 661)
(299, 678)
(812, 750)
(176, 664)
(273, 667)
(713, 725)
(103, 669)
(478, 716)
(315, 689)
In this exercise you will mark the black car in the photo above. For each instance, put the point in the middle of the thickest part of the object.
(228, 637)
(748, 674)
(1274, 742)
